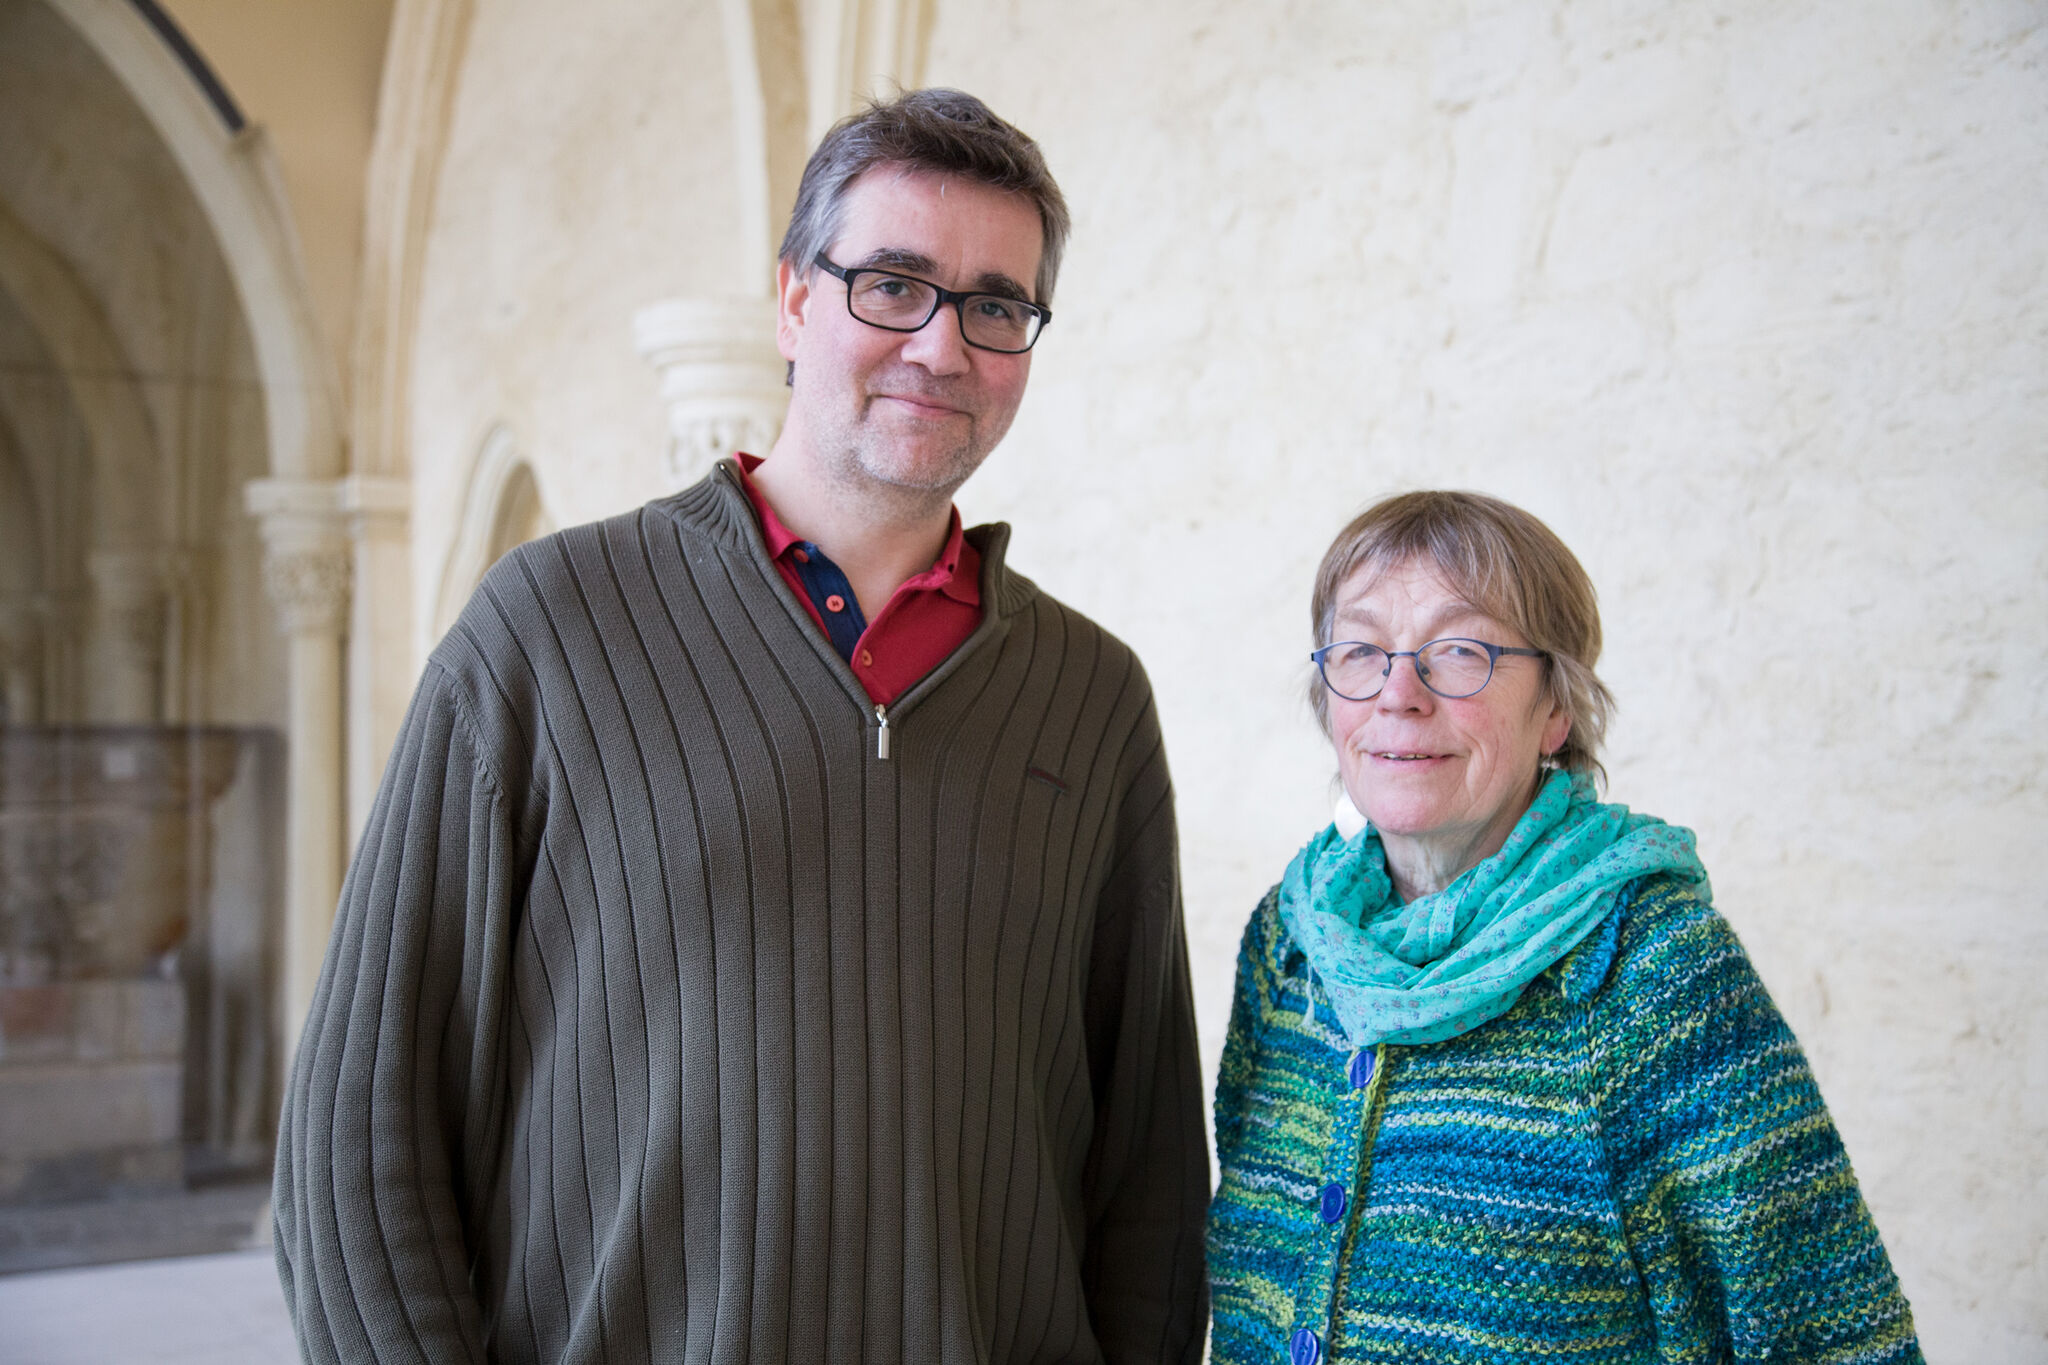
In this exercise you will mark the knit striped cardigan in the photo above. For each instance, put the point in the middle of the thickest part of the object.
(1632, 1165)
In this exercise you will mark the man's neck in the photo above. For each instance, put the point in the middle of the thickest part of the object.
(877, 535)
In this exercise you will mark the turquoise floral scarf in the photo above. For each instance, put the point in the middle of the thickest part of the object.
(1431, 969)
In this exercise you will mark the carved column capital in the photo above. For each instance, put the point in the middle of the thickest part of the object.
(306, 567)
(310, 588)
(721, 377)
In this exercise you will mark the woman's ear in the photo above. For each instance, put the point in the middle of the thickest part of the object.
(1557, 728)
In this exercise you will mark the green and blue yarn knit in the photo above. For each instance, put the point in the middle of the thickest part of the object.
(1631, 1165)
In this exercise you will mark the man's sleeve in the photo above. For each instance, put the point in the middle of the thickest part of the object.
(1240, 1064)
(1736, 1194)
(1148, 1169)
(391, 1104)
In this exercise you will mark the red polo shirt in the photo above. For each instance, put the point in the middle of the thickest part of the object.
(928, 617)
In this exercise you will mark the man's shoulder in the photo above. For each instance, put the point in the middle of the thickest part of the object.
(528, 585)
(544, 596)
(541, 578)
(1059, 623)
(557, 610)
(1080, 634)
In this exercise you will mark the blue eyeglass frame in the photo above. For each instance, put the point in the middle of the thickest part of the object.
(1493, 655)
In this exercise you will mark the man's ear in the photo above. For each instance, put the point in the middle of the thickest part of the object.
(792, 298)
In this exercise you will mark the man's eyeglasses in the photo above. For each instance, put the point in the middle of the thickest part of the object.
(1451, 668)
(904, 303)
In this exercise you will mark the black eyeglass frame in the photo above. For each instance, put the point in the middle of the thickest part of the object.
(957, 297)
(1493, 657)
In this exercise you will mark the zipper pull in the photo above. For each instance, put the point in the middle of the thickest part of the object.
(881, 731)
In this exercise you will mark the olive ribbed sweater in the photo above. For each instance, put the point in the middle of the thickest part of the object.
(665, 1019)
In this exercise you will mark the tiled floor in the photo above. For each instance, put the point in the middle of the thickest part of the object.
(188, 1310)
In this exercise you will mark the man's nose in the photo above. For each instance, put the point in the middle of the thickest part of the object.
(938, 346)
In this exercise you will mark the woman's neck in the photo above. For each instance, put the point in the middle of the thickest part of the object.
(1423, 864)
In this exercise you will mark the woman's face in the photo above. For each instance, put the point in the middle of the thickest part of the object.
(1442, 779)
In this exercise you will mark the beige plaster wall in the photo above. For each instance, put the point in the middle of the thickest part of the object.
(1746, 300)
(589, 171)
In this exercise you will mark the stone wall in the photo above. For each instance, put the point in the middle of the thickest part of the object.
(589, 171)
(136, 1041)
(1745, 300)
(134, 413)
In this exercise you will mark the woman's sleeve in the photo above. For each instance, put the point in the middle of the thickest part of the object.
(1736, 1195)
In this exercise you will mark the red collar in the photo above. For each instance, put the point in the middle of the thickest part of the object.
(943, 576)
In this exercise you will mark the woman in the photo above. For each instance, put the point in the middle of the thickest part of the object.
(1500, 1084)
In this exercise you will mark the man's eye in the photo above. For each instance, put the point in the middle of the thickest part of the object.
(999, 310)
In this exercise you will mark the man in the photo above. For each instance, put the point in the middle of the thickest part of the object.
(766, 944)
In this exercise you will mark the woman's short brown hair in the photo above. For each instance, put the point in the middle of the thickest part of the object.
(1506, 563)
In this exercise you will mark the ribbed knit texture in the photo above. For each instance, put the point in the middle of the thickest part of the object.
(664, 1021)
(1632, 1165)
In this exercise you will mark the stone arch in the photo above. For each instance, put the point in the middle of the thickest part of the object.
(764, 57)
(95, 370)
(794, 69)
(304, 507)
(415, 103)
(502, 508)
(857, 47)
(521, 515)
(21, 532)
(235, 180)
(21, 589)
(47, 500)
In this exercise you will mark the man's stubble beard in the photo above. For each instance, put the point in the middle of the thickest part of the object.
(870, 466)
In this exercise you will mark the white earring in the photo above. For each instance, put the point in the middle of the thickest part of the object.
(1347, 817)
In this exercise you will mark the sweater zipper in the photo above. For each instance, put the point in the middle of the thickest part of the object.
(881, 731)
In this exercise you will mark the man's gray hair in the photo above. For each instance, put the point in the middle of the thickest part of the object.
(946, 132)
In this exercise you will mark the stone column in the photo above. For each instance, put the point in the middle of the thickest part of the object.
(721, 377)
(21, 661)
(306, 571)
(381, 669)
(66, 665)
(130, 592)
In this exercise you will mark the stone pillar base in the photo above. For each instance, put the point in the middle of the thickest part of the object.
(92, 1082)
